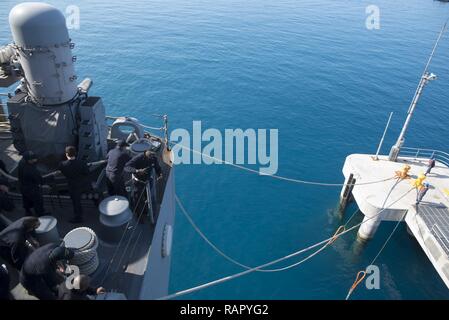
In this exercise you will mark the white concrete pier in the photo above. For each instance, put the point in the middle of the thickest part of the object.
(429, 222)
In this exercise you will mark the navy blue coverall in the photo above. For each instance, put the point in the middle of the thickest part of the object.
(117, 158)
(30, 181)
(135, 166)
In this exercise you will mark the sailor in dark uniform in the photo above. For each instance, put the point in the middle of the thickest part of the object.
(117, 158)
(84, 291)
(13, 240)
(141, 167)
(30, 182)
(4, 185)
(76, 171)
(5, 280)
(6, 203)
(40, 273)
(3, 166)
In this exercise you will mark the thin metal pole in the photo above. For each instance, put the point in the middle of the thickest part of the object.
(383, 137)
(425, 78)
(422, 84)
(167, 139)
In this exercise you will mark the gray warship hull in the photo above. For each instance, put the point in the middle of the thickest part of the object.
(48, 111)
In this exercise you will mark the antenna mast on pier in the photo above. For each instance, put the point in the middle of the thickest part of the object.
(425, 79)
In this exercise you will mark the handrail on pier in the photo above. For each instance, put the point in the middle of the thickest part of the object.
(421, 153)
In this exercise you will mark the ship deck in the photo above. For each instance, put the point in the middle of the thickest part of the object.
(122, 265)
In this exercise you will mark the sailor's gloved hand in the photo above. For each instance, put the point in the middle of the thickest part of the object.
(142, 171)
(34, 242)
(101, 290)
(60, 267)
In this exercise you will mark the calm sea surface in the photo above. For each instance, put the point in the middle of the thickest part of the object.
(308, 68)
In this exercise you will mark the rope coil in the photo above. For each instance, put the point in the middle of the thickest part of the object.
(85, 258)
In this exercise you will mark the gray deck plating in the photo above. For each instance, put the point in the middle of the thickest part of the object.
(135, 268)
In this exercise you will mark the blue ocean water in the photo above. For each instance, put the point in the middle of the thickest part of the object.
(308, 68)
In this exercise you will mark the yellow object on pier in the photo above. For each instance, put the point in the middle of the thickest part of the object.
(418, 183)
(403, 174)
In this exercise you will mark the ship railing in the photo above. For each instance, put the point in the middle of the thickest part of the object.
(420, 153)
(91, 165)
(163, 129)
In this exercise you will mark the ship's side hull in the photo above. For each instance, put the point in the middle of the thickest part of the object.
(157, 276)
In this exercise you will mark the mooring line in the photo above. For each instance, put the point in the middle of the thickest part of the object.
(274, 176)
(362, 273)
(240, 274)
(358, 281)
